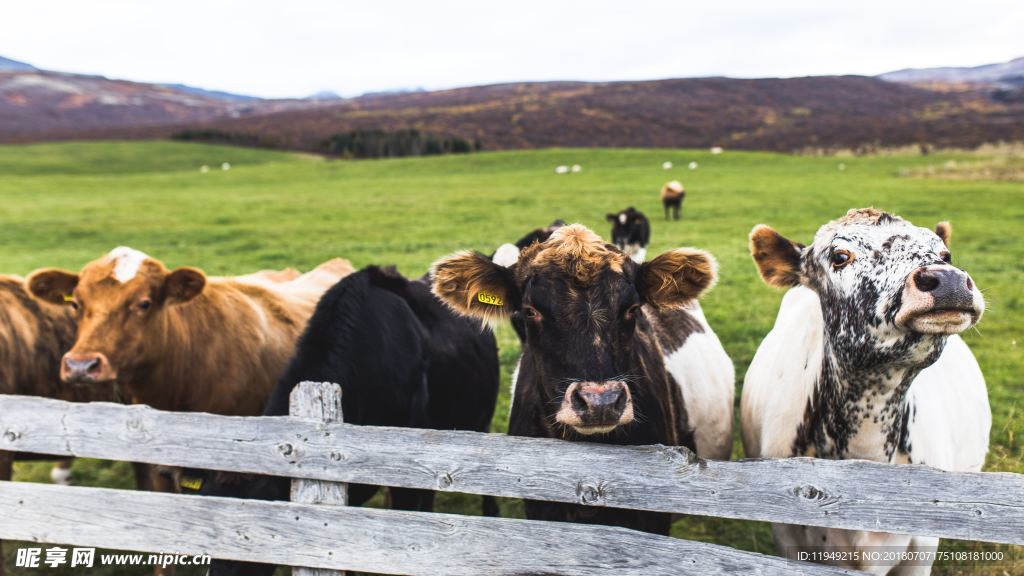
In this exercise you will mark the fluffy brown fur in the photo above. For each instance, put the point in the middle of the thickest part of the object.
(675, 278)
(460, 278)
(944, 230)
(578, 251)
(777, 259)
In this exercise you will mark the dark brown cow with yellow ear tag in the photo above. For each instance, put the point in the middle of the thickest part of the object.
(613, 351)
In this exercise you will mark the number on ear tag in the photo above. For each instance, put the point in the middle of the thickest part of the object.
(488, 298)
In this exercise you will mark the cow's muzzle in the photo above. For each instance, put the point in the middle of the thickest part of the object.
(89, 368)
(596, 407)
(940, 300)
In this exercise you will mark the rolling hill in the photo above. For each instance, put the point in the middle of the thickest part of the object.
(1003, 74)
(821, 113)
(46, 105)
(766, 114)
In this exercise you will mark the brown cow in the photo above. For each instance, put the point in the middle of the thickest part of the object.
(177, 340)
(672, 196)
(33, 336)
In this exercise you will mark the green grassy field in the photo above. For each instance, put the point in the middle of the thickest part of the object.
(65, 204)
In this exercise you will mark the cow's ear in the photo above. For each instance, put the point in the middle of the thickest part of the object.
(675, 278)
(184, 284)
(611, 217)
(777, 259)
(944, 231)
(474, 286)
(52, 285)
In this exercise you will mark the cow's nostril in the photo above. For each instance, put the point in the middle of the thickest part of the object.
(970, 284)
(620, 401)
(83, 366)
(926, 281)
(579, 404)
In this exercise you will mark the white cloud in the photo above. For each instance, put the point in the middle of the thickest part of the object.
(295, 48)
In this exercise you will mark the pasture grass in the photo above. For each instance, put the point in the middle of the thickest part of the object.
(65, 204)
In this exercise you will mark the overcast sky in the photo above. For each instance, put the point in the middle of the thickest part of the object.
(281, 48)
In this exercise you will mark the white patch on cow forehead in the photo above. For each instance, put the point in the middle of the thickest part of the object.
(126, 262)
(622, 218)
(874, 235)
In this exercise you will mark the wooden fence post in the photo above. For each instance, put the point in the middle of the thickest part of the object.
(322, 401)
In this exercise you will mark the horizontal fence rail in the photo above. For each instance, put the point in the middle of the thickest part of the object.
(840, 494)
(363, 539)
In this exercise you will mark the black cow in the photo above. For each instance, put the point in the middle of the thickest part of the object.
(598, 331)
(402, 359)
(631, 232)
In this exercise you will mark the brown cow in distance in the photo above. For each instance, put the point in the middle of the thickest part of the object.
(672, 196)
(178, 340)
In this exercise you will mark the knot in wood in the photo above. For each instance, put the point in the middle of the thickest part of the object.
(336, 456)
(11, 435)
(809, 492)
(589, 494)
(136, 429)
(285, 449)
(445, 480)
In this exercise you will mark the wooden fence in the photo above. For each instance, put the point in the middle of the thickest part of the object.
(321, 453)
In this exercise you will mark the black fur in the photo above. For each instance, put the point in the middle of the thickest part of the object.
(635, 232)
(559, 349)
(402, 359)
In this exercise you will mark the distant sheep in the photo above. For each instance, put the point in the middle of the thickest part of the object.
(692, 166)
(666, 165)
(204, 169)
(561, 169)
(716, 150)
(225, 166)
(576, 168)
(672, 194)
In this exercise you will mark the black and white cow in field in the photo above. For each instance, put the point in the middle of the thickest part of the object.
(612, 351)
(402, 359)
(631, 232)
(865, 361)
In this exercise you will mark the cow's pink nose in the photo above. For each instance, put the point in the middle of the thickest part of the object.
(86, 368)
(595, 407)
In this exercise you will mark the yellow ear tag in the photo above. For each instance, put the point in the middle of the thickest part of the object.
(68, 298)
(488, 298)
(191, 483)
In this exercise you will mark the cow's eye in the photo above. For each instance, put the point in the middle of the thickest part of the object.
(531, 313)
(145, 304)
(946, 257)
(841, 258)
(631, 313)
(74, 304)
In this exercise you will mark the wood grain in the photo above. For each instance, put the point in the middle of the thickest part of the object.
(363, 539)
(841, 494)
(320, 401)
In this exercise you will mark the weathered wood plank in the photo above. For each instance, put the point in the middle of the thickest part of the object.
(844, 494)
(320, 401)
(364, 539)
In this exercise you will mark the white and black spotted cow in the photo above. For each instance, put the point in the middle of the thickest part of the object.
(613, 351)
(865, 362)
(631, 232)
